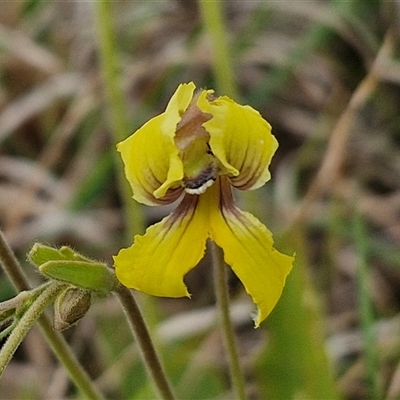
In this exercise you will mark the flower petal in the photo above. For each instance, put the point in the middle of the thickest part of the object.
(152, 163)
(179, 102)
(147, 157)
(158, 261)
(241, 139)
(248, 249)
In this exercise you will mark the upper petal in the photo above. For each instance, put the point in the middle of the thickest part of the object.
(248, 249)
(148, 156)
(241, 139)
(158, 261)
(177, 105)
(152, 163)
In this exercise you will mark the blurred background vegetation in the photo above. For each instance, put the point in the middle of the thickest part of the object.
(78, 76)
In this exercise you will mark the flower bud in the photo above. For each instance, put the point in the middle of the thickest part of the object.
(70, 306)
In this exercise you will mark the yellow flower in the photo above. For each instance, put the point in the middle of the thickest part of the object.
(200, 147)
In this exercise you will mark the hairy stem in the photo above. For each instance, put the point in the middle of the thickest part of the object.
(145, 343)
(31, 315)
(222, 294)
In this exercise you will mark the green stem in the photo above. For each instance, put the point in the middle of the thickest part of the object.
(366, 305)
(145, 343)
(27, 320)
(10, 310)
(214, 23)
(56, 340)
(222, 294)
(63, 352)
(119, 122)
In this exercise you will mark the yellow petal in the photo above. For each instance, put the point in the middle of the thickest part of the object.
(158, 261)
(179, 102)
(147, 156)
(152, 163)
(241, 139)
(248, 249)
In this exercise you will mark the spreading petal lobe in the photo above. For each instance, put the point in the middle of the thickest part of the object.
(248, 249)
(158, 261)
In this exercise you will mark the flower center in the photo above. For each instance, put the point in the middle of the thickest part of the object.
(200, 166)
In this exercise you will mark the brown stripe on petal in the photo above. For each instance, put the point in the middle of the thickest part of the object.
(149, 186)
(227, 201)
(243, 184)
(228, 208)
(186, 208)
(248, 176)
(246, 179)
(171, 195)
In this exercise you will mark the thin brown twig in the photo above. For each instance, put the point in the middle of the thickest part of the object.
(331, 167)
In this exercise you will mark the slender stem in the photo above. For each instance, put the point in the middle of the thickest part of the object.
(56, 340)
(119, 122)
(145, 343)
(366, 305)
(214, 23)
(23, 325)
(11, 266)
(222, 294)
(63, 352)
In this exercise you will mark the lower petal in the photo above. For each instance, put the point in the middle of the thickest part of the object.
(157, 262)
(248, 249)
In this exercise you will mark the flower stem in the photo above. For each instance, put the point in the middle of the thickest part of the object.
(214, 24)
(63, 352)
(145, 343)
(56, 340)
(30, 316)
(222, 294)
